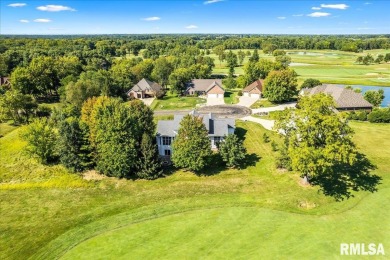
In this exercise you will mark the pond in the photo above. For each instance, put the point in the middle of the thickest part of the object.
(386, 100)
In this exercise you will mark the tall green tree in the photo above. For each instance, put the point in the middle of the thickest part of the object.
(17, 106)
(232, 151)
(191, 147)
(41, 138)
(375, 97)
(161, 71)
(149, 165)
(231, 59)
(280, 86)
(316, 137)
(241, 56)
(255, 56)
(74, 147)
(219, 50)
(310, 83)
(115, 140)
(179, 78)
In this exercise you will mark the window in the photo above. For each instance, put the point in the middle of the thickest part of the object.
(166, 140)
(217, 139)
(167, 152)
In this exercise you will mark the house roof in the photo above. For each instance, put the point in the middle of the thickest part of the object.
(255, 87)
(215, 89)
(146, 85)
(204, 84)
(344, 98)
(214, 126)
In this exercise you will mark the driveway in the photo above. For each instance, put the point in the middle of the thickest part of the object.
(147, 101)
(267, 124)
(247, 101)
(215, 101)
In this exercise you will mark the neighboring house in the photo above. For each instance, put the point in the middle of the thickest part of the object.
(145, 89)
(345, 99)
(212, 88)
(4, 81)
(254, 90)
(217, 129)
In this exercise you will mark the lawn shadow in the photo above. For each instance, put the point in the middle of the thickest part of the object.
(240, 132)
(250, 160)
(215, 166)
(341, 179)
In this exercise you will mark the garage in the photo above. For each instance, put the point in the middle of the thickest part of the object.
(255, 96)
(214, 95)
(246, 94)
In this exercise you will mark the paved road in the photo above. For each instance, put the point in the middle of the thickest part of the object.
(247, 101)
(267, 124)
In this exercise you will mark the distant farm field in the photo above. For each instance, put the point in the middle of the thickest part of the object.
(256, 212)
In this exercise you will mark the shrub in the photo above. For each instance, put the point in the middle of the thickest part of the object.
(41, 140)
(43, 111)
(239, 93)
(380, 115)
(265, 138)
(274, 146)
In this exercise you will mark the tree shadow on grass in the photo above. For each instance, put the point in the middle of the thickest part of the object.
(240, 132)
(341, 179)
(250, 160)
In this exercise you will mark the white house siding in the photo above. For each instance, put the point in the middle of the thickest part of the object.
(246, 94)
(255, 95)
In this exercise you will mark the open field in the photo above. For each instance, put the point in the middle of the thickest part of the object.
(250, 213)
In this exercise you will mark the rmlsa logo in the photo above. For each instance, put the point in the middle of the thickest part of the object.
(361, 249)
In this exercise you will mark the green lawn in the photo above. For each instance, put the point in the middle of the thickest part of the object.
(170, 102)
(231, 96)
(6, 128)
(255, 212)
(263, 103)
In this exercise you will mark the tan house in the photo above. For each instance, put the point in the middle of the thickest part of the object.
(345, 99)
(145, 89)
(212, 88)
(254, 90)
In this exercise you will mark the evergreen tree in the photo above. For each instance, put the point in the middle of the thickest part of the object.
(149, 165)
(191, 147)
(74, 147)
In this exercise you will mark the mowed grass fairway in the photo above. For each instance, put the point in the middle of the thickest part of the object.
(254, 213)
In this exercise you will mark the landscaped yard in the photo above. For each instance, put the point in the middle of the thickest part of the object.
(263, 103)
(231, 96)
(171, 101)
(255, 212)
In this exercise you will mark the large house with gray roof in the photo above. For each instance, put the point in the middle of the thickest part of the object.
(345, 99)
(167, 130)
(212, 88)
(145, 89)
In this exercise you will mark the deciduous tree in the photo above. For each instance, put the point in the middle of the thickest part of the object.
(280, 86)
(232, 151)
(191, 147)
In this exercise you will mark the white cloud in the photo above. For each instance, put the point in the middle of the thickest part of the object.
(42, 20)
(153, 18)
(17, 5)
(318, 14)
(212, 1)
(55, 8)
(316, 8)
(281, 17)
(24, 21)
(335, 6)
(297, 15)
(191, 27)
(368, 3)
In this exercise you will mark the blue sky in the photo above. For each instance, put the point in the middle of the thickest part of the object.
(194, 16)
